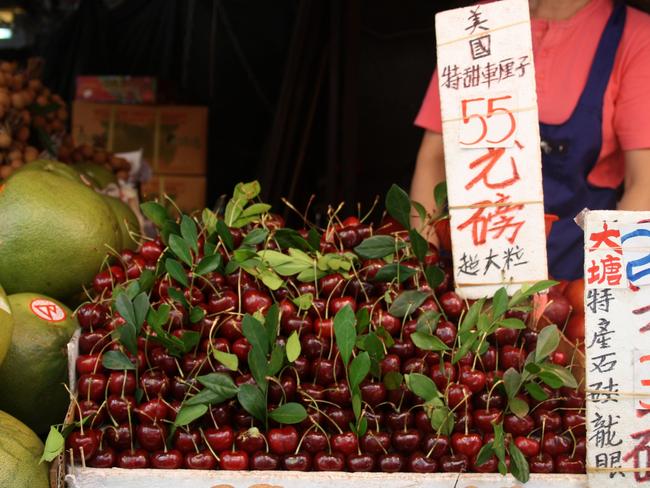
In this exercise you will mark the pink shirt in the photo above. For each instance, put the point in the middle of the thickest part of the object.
(563, 52)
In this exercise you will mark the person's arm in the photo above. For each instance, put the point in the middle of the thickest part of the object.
(429, 171)
(636, 195)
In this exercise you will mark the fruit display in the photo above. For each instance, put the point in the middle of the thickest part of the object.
(237, 343)
(20, 454)
(56, 230)
(96, 161)
(6, 325)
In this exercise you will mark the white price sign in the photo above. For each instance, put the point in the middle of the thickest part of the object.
(492, 147)
(617, 341)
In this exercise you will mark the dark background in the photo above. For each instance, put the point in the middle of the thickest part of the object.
(307, 96)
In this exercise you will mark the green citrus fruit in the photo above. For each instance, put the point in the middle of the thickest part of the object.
(35, 369)
(55, 234)
(55, 167)
(20, 453)
(6, 325)
(127, 220)
(97, 173)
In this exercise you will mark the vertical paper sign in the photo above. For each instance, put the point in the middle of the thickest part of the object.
(617, 341)
(492, 147)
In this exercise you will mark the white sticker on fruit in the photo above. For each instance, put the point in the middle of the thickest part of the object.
(4, 305)
(47, 310)
(617, 347)
(491, 140)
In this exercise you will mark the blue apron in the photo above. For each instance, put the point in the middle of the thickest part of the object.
(570, 151)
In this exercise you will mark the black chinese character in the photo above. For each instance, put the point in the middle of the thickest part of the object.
(489, 74)
(506, 69)
(612, 460)
(490, 262)
(480, 47)
(602, 364)
(603, 432)
(476, 22)
(599, 391)
(513, 256)
(469, 264)
(599, 300)
(472, 76)
(451, 77)
(602, 336)
(523, 63)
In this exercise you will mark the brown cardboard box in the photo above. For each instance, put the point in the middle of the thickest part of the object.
(173, 138)
(117, 89)
(187, 191)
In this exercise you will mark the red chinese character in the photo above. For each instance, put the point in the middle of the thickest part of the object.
(609, 269)
(495, 220)
(643, 438)
(490, 158)
(605, 237)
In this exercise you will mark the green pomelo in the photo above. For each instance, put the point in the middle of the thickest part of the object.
(127, 220)
(55, 234)
(56, 167)
(33, 374)
(6, 325)
(98, 173)
(20, 452)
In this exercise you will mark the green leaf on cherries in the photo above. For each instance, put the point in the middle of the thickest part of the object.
(362, 426)
(345, 332)
(422, 386)
(434, 275)
(547, 341)
(421, 211)
(158, 317)
(189, 233)
(518, 464)
(442, 420)
(190, 339)
(209, 219)
(259, 367)
(393, 271)
(229, 360)
(512, 382)
(419, 244)
(293, 347)
(127, 336)
(154, 212)
(177, 295)
(253, 401)
(428, 322)
(525, 292)
(499, 442)
(180, 248)
(486, 452)
(471, 317)
(255, 333)
(378, 247)
(196, 315)
(363, 320)
(205, 397)
(468, 339)
(372, 344)
(208, 264)
(289, 413)
(562, 373)
(304, 301)
(407, 302)
(518, 407)
(177, 272)
(440, 195)
(140, 309)
(398, 205)
(188, 414)
(117, 360)
(255, 237)
(287, 238)
(550, 379)
(226, 236)
(499, 303)
(532, 368)
(356, 403)
(219, 383)
(272, 324)
(124, 307)
(512, 323)
(277, 360)
(146, 280)
(359, 369)
(54, 445)
(393, 380)
(535, 391)
(428, 342)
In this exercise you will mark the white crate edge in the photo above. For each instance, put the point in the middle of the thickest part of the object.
(79, 477)
(122, 478)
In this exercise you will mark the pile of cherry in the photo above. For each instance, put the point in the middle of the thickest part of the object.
(126, 413)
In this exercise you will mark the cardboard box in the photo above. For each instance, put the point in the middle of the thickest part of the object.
(187, 191)
(173, 138)
(118, 89)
